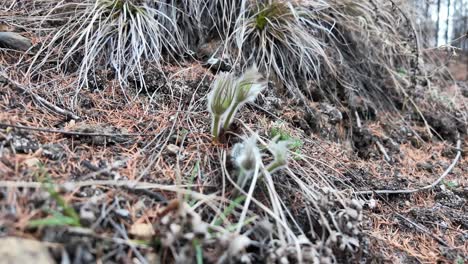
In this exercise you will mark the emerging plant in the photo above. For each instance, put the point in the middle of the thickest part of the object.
(279, 149)
(220, 100)
(247, 157)
(229, 94)
(295, 142)
(248, 87)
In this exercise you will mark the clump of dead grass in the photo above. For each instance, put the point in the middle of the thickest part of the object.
(346, 50)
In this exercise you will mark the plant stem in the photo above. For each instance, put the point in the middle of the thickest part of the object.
(273, 166)
(215, 129)
(198, 251)
(230, 116)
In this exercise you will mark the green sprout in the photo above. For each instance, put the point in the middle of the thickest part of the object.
(295, 143)
(198, 251)
(450, 184)
(195, 172)
(220, 100)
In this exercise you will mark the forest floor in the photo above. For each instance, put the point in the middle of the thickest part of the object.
(167, 136)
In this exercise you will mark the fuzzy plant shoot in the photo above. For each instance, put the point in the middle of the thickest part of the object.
(279, 149)
(220, 100)
(246, 156)
(248, 86)
(228, 94)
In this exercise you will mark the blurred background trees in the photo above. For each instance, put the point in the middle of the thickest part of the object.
(443, 22)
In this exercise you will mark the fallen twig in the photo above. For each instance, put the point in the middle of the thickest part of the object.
(40, 99)
(384, 152)
(358, 119)
(75, 133)
(430, 186)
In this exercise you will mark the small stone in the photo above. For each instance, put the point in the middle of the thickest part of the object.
(122, 213)
(67, 187)
(14, 41)
(87, 215)
(53, 151)
(353, 214)
(218, 64)
(372, 203)
(173, 149)
(356, 204)
(17, 250)
(24, 144)
(142, 230)
(165, 220)
(334, 114)
(284, 260)
(425, 166)
(238, 245)
(32, 162)
(189, 236)
(175, 228)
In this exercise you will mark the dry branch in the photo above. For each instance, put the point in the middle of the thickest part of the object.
(74, 133)
(39, 99)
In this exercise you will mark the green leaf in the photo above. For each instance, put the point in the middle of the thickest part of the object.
(402, 71)
(450, 184)
(69, 215)
(295, 143)
(56, 220)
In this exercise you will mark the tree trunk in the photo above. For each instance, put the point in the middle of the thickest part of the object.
(464, 27)
(448, 23)
(426, 13)
(427, 24)
(437, 24)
